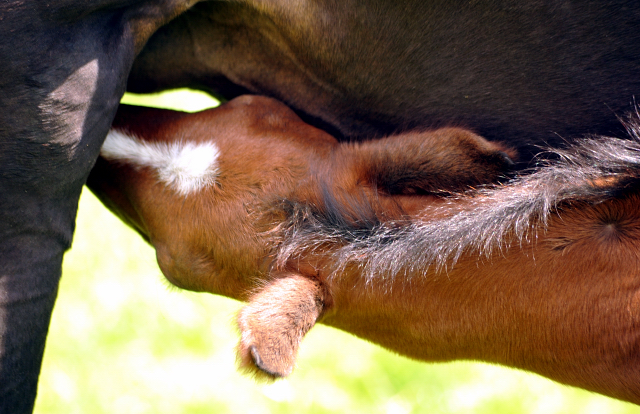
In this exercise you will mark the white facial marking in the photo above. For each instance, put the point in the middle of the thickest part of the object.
(185, 167)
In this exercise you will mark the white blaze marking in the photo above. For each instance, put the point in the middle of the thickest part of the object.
(185, 167)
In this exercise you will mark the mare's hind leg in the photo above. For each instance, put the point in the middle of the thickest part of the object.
(65, 65)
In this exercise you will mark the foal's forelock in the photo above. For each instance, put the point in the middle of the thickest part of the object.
(481, 222)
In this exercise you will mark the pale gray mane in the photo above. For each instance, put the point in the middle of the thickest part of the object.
(484, 222)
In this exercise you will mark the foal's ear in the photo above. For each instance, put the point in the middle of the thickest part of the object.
(440, 161)
(274, 322)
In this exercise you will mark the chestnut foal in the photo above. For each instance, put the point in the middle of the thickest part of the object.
(247, 201)
(211, 191)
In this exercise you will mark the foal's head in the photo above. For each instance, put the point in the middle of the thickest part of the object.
(211, 190)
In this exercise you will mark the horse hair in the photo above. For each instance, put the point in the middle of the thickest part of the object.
(482, 221)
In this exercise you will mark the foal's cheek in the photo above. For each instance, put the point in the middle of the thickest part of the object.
(185, 270)
(205, 268)
(169, 266)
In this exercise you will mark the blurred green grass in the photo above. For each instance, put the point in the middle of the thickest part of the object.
(123, 341)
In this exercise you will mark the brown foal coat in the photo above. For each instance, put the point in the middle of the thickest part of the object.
(554, 289)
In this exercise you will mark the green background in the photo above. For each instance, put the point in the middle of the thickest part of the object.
(122, 340)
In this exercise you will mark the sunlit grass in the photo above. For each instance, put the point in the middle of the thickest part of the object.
(121, 341)
(180, 99)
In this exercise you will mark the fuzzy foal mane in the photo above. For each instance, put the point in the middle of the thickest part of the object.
(484, 221)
